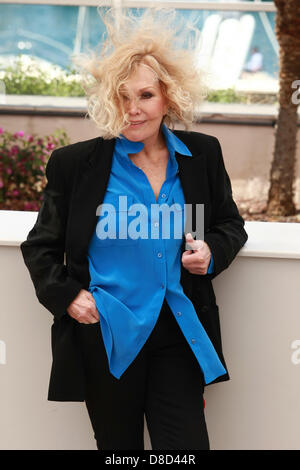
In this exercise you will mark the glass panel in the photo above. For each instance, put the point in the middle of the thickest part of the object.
(223, 43)
(238, 49)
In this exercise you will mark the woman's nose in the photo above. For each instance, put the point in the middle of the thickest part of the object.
(133, 107)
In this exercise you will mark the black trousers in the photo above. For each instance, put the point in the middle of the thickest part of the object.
(164, 383)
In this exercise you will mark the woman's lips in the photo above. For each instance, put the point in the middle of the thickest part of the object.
(137, 123)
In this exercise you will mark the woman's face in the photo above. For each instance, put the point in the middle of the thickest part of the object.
(145, 105)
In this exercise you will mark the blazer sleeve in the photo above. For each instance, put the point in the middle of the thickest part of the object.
(43, 250)
(226, 234)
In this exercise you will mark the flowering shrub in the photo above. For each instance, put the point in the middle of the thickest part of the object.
(22, 168)
(29, 76)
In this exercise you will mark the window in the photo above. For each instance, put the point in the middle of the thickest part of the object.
(234, 41)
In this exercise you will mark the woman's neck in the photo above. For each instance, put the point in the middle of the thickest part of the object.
(153, 150)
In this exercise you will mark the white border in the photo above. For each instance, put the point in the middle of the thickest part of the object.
(235, 5)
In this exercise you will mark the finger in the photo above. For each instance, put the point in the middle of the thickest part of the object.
(95, 317)
(192, 244)
(89, 304)
(94, 314)
(90, 313)
(87, 320)
(188, 241)
(197, 266)
(89, 295)
(86, 313)
(186, 254)
(197, 271)
(193, 260)
(92, 320)
(91, 301)
(185, 261)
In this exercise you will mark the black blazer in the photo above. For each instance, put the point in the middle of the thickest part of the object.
(55, 251)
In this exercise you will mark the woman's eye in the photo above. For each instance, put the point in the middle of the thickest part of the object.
(147, 95)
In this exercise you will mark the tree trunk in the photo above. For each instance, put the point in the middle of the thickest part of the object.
(282, 175)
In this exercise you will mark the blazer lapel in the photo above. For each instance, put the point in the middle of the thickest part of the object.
(193, 178)
(89, 193)
(192, 174)
(191, 171)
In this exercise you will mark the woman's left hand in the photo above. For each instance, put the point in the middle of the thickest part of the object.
(196, 260)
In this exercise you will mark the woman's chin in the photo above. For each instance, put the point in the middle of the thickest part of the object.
(133, 134)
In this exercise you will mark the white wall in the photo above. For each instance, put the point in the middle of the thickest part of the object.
(259, 299)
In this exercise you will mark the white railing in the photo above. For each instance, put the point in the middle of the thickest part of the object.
(266, 240)
(199, 5)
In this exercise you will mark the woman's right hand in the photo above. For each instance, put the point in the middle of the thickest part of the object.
(83, 308)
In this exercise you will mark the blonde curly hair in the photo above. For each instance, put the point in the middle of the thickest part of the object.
(149, 39)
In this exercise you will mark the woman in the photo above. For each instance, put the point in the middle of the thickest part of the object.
(136, 328)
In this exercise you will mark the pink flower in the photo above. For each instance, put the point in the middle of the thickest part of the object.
(30, 138)
(27, 206)
(9, 171)
(18, 134)
(14, 150)
(31, 206)
(15, 192)
(50, 146)
(1, 130)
